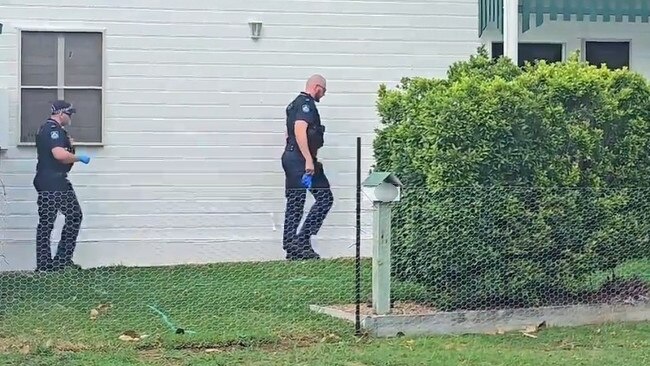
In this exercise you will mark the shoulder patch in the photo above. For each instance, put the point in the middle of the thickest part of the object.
(54, 135)
(305, 108)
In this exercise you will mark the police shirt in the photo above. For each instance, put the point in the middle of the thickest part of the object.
(304, 108)
(49, 136)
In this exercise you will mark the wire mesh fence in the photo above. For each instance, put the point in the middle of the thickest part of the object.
(456, 249)
(256, 286)
(3, 223)
(452, 249)
(50, 204)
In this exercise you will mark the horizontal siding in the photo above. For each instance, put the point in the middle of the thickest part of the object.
(189, 166)
(25, 156)
(195, 109)
(160, 193)
(184, 218)
(184, 234)
(169, 252)
(198, 8)
(172, 179)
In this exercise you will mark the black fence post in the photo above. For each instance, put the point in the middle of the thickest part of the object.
(357, 312)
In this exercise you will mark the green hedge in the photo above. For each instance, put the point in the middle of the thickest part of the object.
(520, 183)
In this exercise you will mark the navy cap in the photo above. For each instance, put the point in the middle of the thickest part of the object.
(62, 106)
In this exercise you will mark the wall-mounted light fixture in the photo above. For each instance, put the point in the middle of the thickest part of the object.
(256, 29)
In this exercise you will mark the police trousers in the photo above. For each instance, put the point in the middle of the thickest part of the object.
(293, 164)
(56, 194)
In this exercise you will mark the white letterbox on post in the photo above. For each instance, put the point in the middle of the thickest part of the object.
(382, 188)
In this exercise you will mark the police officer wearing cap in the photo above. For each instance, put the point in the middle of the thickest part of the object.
(56, 156)
(304, 136)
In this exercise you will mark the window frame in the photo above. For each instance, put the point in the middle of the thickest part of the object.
(19, 86)
(563, 45)
(583, 48)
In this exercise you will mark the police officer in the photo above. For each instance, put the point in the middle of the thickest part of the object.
(303, 171)
(56, 156)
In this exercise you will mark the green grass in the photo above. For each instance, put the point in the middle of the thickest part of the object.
(609, 345)
(254, 314)
(250, 303)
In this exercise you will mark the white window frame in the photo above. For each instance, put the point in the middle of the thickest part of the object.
(583, 47)
(60, 77)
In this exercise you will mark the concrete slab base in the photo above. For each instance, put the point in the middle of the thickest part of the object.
(492, 321)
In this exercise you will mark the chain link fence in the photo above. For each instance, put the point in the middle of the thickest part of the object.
(253, 286)
(485, 248)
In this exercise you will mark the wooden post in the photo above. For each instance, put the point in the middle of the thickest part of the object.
(381, 258)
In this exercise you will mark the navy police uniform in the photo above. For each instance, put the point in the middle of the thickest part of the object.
(55, 193)
(298, 245)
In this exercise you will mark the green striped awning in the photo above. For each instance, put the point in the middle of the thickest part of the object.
(491, 11)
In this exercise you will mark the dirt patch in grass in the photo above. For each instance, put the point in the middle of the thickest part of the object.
(285, 344)
(397, 308)
(152, 355)
(25, 346)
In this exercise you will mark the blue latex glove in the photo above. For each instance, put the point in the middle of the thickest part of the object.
(306, 180)
(84, 158)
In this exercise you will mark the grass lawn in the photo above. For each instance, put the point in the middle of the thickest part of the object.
(252, 314)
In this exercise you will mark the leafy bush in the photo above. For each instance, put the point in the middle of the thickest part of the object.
(519, 183)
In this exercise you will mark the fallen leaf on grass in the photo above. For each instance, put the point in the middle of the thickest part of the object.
(25, 349)
(100, 309)
(534, 329)
(94, 314)
(131, 336)
(331, 338)
(531, 329)
(409, 344)
(567, 346)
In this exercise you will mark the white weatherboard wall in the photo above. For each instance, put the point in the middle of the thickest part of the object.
(190, 170)
(573, 33)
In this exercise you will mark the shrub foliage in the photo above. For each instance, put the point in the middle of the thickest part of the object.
(520, 183)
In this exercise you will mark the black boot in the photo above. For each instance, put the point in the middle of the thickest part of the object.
(301, 250)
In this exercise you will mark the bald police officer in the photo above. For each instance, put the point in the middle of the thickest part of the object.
(303, 171)
(56, 156)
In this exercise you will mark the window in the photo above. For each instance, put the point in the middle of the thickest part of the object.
(551, 52)
(615, 55)
(55, 65)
